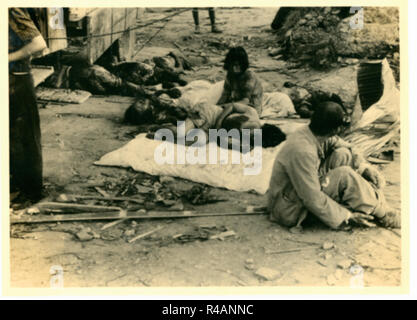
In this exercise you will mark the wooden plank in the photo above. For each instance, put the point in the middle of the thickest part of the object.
(60, 32)
(145, 234)
(72, 207)
(115, 215)
(62, 95)
(99, 23)
(107, 20)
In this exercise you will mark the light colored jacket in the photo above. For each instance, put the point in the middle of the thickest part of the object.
(295, 183)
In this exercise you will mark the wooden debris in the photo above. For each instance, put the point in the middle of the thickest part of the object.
(223, 235)
(74, 198)
(267, 274)
(145, 234)
(112, 224)
(289, 250)
(72, 207)
(328, 245)
(378, 161)
(112, 215)
(344, 264)
(102, 192)
(62, 95)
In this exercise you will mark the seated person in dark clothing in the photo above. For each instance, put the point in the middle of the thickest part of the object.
(241, 84)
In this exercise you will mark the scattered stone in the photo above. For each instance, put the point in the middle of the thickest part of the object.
(275, 52)
(85, 235)
(249, 261)
(129, 232)
(33, 211)
(140, 211)
(351, 61)
(331, 280)
(344, 264)
(143, 189)
(95, 235)
(134, 223)
(322, 263)
(328, 245)
(149, 205)
(166, 179)
(296, 230)
(327, 256)
(178, 206)
(169, 203)
(338, 274)
(267, 274)
(250, 267)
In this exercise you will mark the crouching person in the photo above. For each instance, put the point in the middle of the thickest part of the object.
(316, 173)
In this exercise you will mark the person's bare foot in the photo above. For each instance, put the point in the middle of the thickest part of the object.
(392, 219)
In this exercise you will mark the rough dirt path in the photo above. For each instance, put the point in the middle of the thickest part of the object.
(76, 136)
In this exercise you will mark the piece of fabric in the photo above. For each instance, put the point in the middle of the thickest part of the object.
(380, 122)
(25, 137)
(274, 104)
(139, 154)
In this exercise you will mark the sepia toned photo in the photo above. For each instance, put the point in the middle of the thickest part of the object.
(206, 147)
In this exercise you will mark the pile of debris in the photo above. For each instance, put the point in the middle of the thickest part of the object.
(317, 36)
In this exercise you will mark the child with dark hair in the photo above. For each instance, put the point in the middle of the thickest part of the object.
(241, 84)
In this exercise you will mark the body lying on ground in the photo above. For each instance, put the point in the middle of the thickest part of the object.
(318, 173)
(125, 78)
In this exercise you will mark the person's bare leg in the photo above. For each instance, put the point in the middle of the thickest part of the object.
(196, 20)
(212, 16)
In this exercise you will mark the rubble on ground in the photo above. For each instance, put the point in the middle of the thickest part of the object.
(319, 36)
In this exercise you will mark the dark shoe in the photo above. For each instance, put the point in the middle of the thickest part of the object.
(214, 29)
(197, 30)
(392, 219)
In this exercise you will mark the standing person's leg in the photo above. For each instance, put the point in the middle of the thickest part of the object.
(212, 16)
(25, 138)
(196, 20)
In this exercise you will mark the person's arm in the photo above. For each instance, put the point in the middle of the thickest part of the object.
(35, 46)
(359, 164)
(24, 28)
(228, 109)
(252, 92)
(226, 93)
(302, 171)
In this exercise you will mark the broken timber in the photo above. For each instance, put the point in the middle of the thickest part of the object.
(123, 215)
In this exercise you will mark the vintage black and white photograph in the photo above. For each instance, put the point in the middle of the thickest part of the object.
(205, 147)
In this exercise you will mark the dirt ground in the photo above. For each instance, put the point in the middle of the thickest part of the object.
(74, 136)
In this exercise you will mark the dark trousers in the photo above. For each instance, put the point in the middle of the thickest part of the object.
(25, 137)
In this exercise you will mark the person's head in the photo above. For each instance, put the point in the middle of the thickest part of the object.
(236, 61)
(328, 119)
(271, 136)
